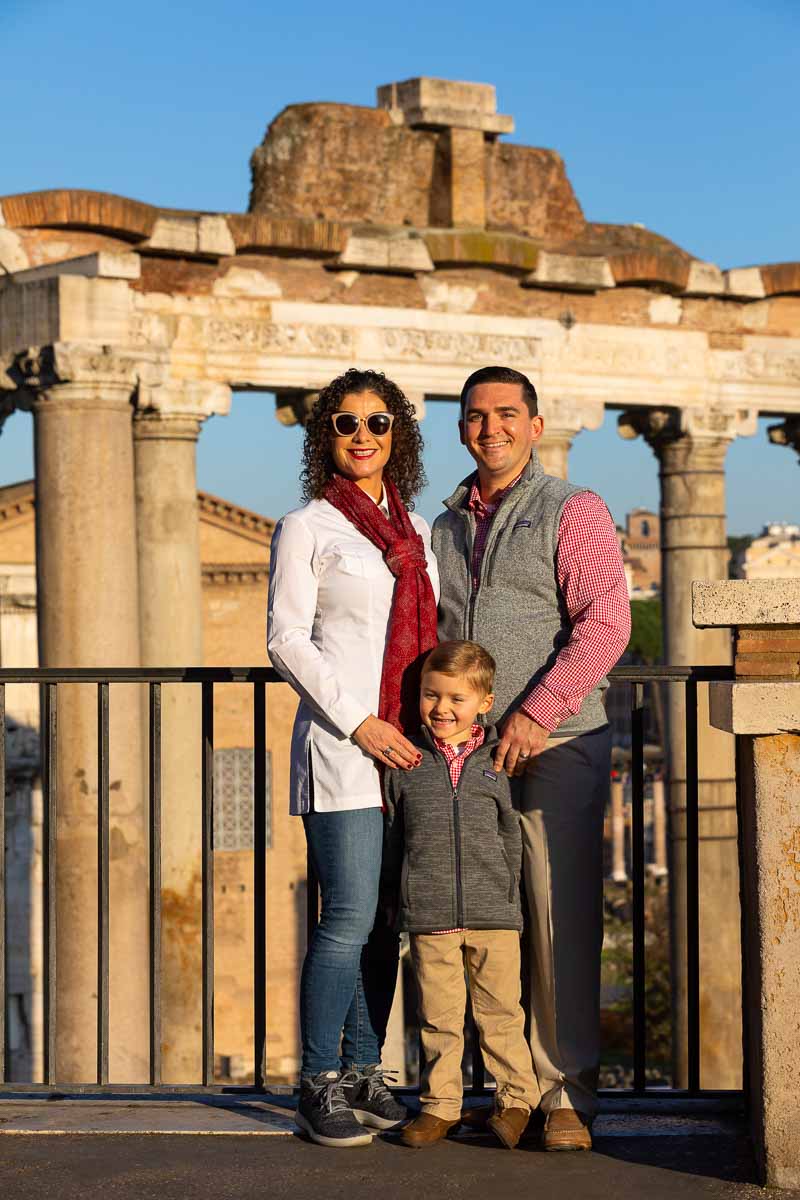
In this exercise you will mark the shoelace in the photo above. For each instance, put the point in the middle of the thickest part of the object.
(376, 1079)
(331, 1095)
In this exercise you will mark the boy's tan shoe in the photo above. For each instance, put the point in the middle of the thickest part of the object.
(566, 1129)
(509, 1125)
(426, 1130)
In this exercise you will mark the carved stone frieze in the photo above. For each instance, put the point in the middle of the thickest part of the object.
(440, 345)
(262, 337)
(777, 365)
(626, 356)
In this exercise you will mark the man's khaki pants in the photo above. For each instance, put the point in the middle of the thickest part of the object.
(562, 800)
(491, 958)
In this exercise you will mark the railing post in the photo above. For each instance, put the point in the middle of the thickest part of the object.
(762, 706)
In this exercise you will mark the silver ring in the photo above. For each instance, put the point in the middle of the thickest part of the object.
(521, 755)
(388, 751)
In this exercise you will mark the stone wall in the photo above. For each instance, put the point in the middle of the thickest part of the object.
(345, 163)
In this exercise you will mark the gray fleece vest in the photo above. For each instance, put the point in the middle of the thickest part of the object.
(517, 612)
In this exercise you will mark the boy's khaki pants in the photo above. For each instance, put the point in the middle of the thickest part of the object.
(491, 958)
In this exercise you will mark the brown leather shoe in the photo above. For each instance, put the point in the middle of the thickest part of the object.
(566, 1129)
(477, 1117)
(508, 1125)
(426, 1130)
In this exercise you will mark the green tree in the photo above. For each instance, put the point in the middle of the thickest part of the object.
(646, 644)
(737, 542)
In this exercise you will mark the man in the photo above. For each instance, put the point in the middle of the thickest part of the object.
(531, 569)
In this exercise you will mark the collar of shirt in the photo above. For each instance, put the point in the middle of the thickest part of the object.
(383, 503)
(478, 506)
(450, 752)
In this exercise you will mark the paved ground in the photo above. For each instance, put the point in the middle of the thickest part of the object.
(235, 1150)
(170, 1167)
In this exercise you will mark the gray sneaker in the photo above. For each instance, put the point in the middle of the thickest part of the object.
(370, 1099)
(324, 1114)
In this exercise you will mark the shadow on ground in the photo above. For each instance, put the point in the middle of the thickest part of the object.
(137, 1167)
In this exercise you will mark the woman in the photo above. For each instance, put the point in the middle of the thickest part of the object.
(351, 609)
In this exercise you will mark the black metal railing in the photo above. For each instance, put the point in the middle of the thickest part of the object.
(258, 678)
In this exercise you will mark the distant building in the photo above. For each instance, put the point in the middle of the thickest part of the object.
(640, 542)
(775, 554)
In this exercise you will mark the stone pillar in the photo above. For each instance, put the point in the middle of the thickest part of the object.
(762, 706)
(171, 615)
(563, 420)
(467, 178)
(659, 864)
(618, 871)
(691, 446)
(88, 615)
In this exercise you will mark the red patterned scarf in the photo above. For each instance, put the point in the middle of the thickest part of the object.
(412, 620)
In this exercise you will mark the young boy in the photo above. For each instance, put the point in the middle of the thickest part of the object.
(452, 860)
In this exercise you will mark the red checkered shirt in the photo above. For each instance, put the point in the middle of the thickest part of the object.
(591, 577)
(456, 756)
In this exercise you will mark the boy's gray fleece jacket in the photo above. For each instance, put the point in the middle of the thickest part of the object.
(454, 857)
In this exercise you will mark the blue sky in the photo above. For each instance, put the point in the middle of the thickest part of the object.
(678, 115)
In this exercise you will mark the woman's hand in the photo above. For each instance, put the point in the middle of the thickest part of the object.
(386, 744)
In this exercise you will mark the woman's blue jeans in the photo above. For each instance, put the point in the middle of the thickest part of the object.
(350, 969)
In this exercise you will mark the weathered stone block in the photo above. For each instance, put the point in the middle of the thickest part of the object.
(246, 281)
(12, 253)
(746, 602)
(570, 273)
(214, 236)
(103, 265)
(380, 252)
(705, 279)
(444, 103)
(744, 283)
(176, 234)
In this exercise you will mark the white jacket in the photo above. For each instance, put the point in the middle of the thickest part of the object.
(330, 593)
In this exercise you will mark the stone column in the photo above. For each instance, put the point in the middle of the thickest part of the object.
(618, 871)
(563, 420)
(691, 446)
(762, 706)
(171, 616)
(659, 864)
(88, 615)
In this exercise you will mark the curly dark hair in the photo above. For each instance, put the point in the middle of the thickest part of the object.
(404, 467)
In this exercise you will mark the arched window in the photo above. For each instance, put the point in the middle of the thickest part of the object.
(645, 529)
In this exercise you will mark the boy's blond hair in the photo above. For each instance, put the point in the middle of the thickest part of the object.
(463, 658)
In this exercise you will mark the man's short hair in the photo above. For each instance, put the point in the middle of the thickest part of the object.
(502, 375)
(463, 658)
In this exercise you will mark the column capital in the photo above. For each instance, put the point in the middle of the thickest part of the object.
(159, 396)
(787, 433)
(678, 432)
(79, 373)
(566, 417)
